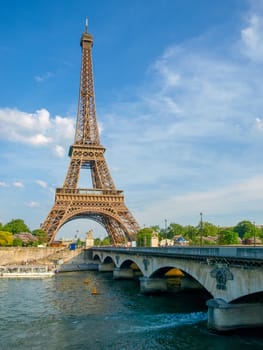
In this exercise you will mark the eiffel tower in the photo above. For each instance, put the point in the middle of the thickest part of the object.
(102, 203)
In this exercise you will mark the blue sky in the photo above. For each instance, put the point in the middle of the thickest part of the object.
(178, 89)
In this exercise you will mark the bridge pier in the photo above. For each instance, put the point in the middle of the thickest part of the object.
(224, 317)
(123, 273)
(106, 267)
(152, 285)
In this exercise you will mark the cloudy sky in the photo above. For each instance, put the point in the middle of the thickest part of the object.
(179, 95)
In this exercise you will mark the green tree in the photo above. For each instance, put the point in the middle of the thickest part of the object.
(97, 242)
(155, 228)
(16, 226)
(175, 229)
(6, 238)
(245, 229)
(17, 242)
(80, 243)
(228, 236)
(209, 229)
(41, 235)
(191, 233)
(143, 237)
(260, 232)
(255, 232)
(205, 229)
(106, 241)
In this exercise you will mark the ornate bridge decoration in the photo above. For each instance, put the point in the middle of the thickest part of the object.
(222, 275)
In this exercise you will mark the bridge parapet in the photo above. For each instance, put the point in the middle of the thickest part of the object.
(229, 255)
(233, 251)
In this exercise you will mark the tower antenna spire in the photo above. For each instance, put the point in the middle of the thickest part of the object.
(86, 26)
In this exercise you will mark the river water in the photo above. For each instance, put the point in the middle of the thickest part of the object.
(60, 313)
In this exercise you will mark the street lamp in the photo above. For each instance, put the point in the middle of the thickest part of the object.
(201, 228)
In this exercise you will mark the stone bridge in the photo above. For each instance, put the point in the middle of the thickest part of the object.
(233, 276)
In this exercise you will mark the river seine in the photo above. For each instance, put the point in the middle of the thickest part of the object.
(61, 313)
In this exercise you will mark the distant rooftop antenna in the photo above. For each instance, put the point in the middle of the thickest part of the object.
(86, 27)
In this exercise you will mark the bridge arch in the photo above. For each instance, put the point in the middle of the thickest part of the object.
(129, 263)
(132, 265)
(166, 271)
(108, 260)
(124, 261)
(96, 258)
(185, 278)
(250, 298)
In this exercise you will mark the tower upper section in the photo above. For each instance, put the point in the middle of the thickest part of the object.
(87, 131)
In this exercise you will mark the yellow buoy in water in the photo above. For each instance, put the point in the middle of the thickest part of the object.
(86, 281)
(94, 291)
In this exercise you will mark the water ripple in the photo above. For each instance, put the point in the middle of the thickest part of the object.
(61, 313)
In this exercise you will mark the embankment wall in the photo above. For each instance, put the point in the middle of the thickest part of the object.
(20, 255)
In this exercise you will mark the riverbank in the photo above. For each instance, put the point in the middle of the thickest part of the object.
(27, 255)
(62, 259)
(26, 271)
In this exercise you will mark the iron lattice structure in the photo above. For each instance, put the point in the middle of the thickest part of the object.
(103, 202)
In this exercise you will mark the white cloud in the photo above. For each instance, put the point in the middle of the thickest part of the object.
(64, 128)
(43, 119)
(3, 184)
(44, 77)
(252, 38)
(18, 184)
(33, 204)
(41, 183)
(170, 77)
(216, 98)
(100, 127)
(190, 142)
(59, 151)
(259, 124)
(230, 200)
(36, 129)
(13, 118)
(37, 139)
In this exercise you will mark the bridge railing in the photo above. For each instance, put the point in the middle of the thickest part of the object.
(254, 253)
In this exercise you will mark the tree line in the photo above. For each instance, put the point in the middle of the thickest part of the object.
(16, 233)
(205, 233)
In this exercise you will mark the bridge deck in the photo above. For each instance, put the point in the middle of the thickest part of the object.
(244, 255)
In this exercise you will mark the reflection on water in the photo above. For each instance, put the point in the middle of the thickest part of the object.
(61, 313)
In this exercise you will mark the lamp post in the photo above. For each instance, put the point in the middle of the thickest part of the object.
(165, 230)
(201, 228)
